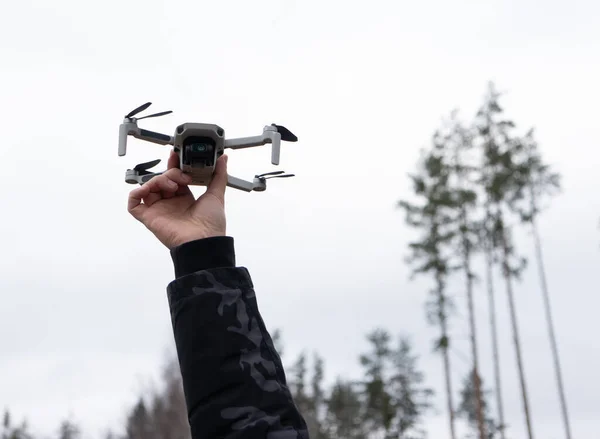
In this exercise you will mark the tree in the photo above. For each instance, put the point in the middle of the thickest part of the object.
(310, 404)
(491, 259)
(458, 144)
(394, 395)
(537, 182)
(498, 170)
(14, 432)
(68, 430)
(344, 418)
(139, 423)
(433, 218)
(317, 400)
(169, 409)
(297, 383)
(379, 410)
(468, 406)
(411, 399)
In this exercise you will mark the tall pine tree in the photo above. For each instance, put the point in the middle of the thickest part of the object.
(432, 215)
(501, 150)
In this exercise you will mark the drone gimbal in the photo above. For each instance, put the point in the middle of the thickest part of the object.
(198, 146)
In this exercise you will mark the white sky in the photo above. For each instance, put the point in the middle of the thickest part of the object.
(83, 312)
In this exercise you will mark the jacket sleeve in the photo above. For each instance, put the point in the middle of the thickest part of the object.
(233, 379)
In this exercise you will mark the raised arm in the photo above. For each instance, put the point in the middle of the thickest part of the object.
(233, 379)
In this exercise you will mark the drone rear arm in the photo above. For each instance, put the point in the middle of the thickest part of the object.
(248, 186)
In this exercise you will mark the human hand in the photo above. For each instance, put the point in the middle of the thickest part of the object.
(167, 207)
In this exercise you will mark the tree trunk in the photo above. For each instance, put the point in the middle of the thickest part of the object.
(548, 312)
(446, 359)
(477, 382)
(472, 327)
(515, 329)
(494, 330)
(466, 254)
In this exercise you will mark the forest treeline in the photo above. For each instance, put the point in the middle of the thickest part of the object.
(476, 183)
(390, 400)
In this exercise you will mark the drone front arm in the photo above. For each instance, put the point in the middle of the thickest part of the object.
(131, 129)
(268, 136)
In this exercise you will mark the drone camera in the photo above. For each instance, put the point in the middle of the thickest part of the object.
(199, 151)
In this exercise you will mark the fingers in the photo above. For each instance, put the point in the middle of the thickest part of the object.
(173, 160)
(219, 181)
(134, 202)
(166, 185)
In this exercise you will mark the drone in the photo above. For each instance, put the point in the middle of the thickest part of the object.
(198, 146)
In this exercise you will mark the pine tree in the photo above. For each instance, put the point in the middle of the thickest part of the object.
(456, 140)
(311, 404)
(169, 409)
(379, 410)
(469, 407)
(317, 399)
(394, 395)
(536, 182)
(498, 170)
(491, 259)
(345, 414)
(139, 423)
(68, 430)
(432, 217)
(411, 398)
(297, 383)
(14, 432)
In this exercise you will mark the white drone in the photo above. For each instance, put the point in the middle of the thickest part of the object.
(199, 145)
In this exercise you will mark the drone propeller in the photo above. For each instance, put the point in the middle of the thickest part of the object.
(270, 173)
(286, 135)
(162, 113)
(142, 168)
(275, 174)
(138, 110)
(142, 108)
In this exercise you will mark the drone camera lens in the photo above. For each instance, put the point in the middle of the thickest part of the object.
(199, 147)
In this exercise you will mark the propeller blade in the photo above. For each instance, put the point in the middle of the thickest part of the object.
(147, 165)
(162, 113)
(280, 176)
(286, 135)
(270, 173)
(138, 110)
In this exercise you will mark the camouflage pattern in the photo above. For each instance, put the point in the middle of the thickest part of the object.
(233, 378)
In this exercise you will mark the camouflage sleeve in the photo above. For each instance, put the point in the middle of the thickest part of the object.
(233, 378)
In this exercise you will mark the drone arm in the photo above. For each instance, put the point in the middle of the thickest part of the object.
(131, 129)
(268, 136)
(133, 177)
(248, 186)
(246, 142)
(154, 137)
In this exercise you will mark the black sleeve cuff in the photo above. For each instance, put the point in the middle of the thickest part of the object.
(203, 254)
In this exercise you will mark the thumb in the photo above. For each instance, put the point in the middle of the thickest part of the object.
(219, 182)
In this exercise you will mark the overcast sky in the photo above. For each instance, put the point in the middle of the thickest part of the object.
(84, 322)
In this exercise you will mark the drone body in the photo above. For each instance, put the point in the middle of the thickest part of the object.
(198, 146)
